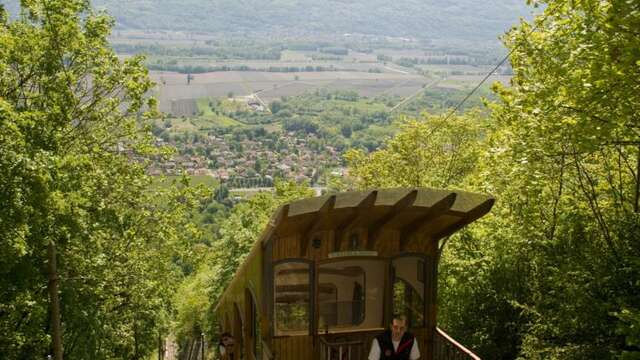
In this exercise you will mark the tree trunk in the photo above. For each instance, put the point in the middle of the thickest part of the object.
(54, 301)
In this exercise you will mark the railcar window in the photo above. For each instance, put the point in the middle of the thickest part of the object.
(408, 289)
(292, 298)
(350, 295)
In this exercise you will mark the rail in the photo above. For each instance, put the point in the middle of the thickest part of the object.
(446, 348)
(345, 350)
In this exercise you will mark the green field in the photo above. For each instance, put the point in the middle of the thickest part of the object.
(208, 118)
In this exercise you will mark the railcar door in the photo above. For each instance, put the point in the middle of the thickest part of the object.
(351, 301)
(409, 290)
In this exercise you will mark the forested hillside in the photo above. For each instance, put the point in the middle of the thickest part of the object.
(430, 19)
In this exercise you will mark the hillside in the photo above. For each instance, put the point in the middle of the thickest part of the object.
(428, 19)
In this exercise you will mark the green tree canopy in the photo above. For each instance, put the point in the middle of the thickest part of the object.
(431, 151)
(73, 137)
(236, 235)
(553, 273)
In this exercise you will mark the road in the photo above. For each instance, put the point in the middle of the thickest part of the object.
(406, 100)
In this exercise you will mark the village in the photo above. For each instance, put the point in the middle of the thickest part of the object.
(248, 161)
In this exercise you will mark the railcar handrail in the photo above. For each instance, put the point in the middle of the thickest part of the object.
(446, 348)
(342, 350)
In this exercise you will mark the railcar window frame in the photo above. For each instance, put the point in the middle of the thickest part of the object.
(253, 323)
(422, 261)
(385, 262)
(337, 327)
(311, 303)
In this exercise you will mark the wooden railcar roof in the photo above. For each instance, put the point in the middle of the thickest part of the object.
(436, 213)
(432, 214)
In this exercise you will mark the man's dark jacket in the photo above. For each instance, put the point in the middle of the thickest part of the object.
(386, 346)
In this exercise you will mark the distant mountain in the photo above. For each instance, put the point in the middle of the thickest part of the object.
(429, 19)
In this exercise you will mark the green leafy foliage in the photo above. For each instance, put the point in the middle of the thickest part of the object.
(553, 272)
(432, 152)
(236, 234)
(72, 123)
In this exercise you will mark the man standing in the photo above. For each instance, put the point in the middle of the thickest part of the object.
(395, 343)
(225, 346)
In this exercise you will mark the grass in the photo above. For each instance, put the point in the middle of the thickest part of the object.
(362, 105)
(182, 125)
(204, 107)
(228, 105)
(206, 120)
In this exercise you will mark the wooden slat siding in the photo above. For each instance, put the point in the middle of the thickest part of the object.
(293, 347)
(391, 243)
(275, 249)
(326, 245)
(292, 343)
(343, 243)
(286, 247)
(417, 244)
(277, 348)
(320, 220)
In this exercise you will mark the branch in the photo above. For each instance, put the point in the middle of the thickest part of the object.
(594, 206)
(554, 216)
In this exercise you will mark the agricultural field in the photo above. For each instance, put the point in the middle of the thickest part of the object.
(191, 69)
(178, 96)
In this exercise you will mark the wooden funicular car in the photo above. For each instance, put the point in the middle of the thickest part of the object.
(328, 273)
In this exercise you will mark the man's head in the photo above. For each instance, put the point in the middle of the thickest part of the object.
(226, 339)
(398, 327)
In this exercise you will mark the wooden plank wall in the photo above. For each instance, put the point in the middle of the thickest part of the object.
(286, 247)
(293, 347)
(388, 244)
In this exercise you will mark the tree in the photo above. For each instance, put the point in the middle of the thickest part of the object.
(79, 214)
(553, 272)
(570, 130)
(235, 236)
(432, 152)
(275, 106)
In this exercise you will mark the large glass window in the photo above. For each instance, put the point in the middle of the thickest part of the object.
(350, 295)
(408, 289)
(292, 292)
